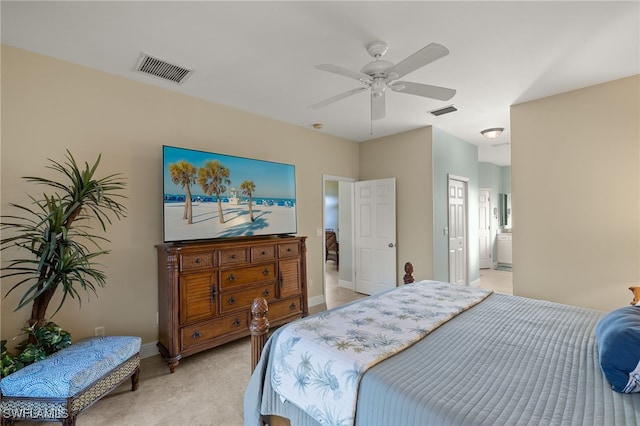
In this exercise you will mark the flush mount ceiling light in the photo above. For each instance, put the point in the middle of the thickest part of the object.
(492, 133)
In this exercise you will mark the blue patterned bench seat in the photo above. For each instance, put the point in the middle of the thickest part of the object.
(59, 387)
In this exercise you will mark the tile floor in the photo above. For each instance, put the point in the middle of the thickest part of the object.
(498, 281)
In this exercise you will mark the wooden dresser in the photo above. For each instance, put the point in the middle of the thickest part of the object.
(205, 290)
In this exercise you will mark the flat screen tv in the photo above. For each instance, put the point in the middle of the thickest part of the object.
(213, 196)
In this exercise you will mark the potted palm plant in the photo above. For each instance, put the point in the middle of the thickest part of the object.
(58, 247)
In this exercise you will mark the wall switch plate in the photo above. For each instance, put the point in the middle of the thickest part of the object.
(99, 331)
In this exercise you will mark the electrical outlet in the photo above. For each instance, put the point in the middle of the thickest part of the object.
(98, 331)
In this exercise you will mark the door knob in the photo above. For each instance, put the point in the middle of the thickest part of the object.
(390, 244)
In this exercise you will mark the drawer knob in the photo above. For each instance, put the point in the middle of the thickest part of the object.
(292, 306)
(288, 248)
(264, 253)
(197, 260)
(266, 292)
(265, 272)
(232, 300)
(237, 323)
(232, 278)
(196, 334)
(233, 256)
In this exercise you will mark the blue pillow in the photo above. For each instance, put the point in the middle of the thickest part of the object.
(618, 338)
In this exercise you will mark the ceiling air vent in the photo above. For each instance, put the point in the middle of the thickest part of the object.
(160, 68)
(445, 110)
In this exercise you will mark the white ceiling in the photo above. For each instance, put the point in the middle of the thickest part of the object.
(260, 56)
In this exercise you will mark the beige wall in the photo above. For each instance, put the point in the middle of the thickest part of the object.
(408, 158)
(576, 186)
(576, 197)
(49, 106)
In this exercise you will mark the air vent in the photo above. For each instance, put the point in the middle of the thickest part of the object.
(160, 68)
(445, 110)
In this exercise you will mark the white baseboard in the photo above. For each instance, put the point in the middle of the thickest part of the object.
(347, 284)
(148, 350)
(475, 283)
(316, 300)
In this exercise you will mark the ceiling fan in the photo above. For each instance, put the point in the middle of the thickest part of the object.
(380, 75)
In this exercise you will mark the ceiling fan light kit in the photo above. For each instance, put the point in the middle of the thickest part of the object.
(380, 74)
(492, 133)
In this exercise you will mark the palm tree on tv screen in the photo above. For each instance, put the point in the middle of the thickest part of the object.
(213, 178)
(248, 188)
(183, 173)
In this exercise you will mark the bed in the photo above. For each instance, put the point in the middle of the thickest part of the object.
(504, 360)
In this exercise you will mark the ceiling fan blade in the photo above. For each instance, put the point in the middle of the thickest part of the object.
(422, 57)
(344, 72)
(426, 90)
(378, 106)
(338, 97)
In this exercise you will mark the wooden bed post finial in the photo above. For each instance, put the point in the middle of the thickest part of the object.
(259, 329)
(408, 273)
(636, 294)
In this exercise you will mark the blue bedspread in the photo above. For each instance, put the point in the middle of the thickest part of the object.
(508, 360)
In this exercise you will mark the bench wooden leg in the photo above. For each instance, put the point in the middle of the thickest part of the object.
(135, 377)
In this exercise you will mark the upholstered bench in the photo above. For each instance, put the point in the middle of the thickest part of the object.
(61, 386)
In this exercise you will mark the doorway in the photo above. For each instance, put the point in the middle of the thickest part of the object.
(338, 271)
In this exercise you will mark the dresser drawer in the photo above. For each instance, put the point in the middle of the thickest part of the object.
(200, 260)
(285, 308)
(288, 250)
(243, 276)
(202, 333)
(244, 298)
(261, 253)
(233, 256)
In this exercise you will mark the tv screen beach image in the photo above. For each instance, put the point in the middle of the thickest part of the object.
(209, 195)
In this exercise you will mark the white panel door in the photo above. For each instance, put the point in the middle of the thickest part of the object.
(457, 232)
(484, 227)
(375, 240)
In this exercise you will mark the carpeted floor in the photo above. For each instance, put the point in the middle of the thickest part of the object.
(208, 388)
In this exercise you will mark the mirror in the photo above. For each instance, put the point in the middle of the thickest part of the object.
(505, 210)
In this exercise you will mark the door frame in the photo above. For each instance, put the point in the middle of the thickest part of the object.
(352, 279)
(491, 228)
(466, 181)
